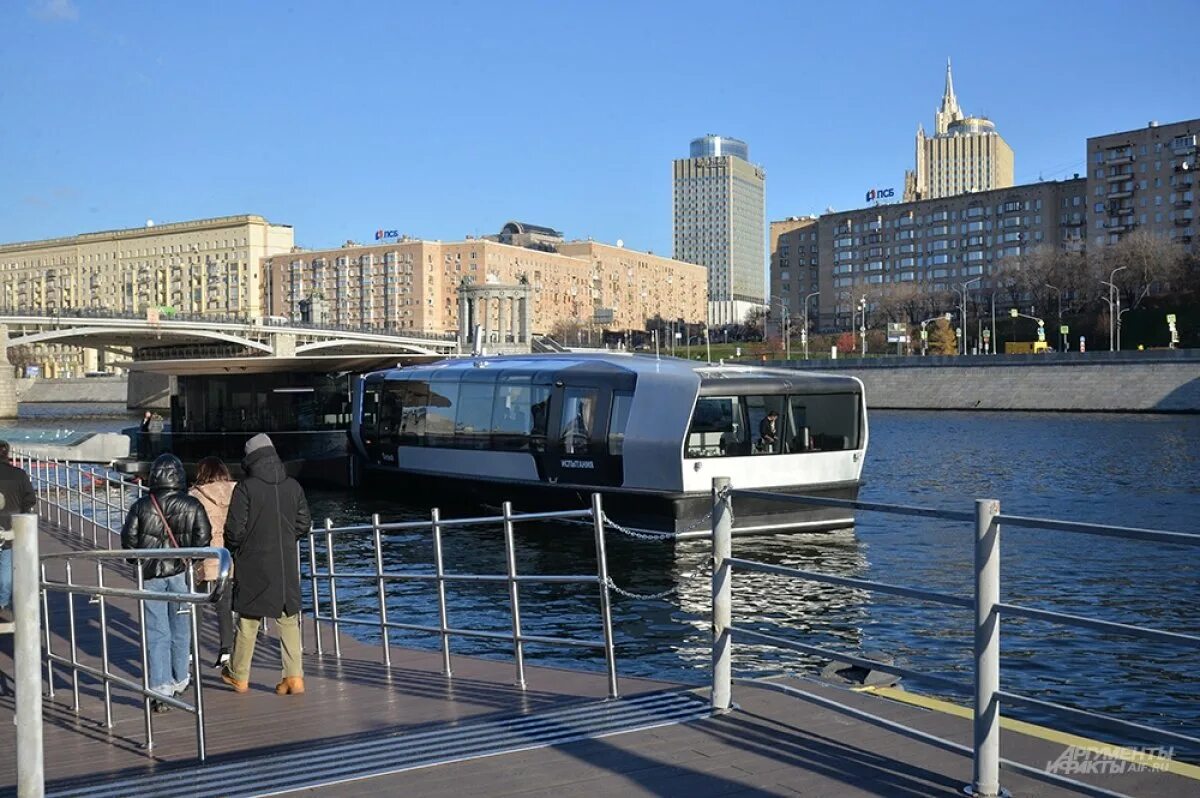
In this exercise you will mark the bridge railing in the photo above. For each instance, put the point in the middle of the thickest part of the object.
(322, 545)
(985, 603)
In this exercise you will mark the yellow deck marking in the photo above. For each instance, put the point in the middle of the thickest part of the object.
(1041, 732)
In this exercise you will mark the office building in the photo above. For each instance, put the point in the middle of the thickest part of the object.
(1145, 180)
(964, 154)
(719, 204)
(412, 284)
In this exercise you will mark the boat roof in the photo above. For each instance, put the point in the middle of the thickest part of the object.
(316, 364)
(715, 378)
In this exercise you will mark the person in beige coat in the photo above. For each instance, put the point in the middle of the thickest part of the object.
(214, 488)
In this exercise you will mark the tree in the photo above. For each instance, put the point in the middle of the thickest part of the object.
(1148, 263)
(942, 340)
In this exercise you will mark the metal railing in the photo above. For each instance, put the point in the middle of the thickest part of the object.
(987, 607)
(321, 545)
(92, 501)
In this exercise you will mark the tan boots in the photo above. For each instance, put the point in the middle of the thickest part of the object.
(291, 685)
(238, 687)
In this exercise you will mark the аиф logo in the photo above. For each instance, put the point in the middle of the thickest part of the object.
(880, 194)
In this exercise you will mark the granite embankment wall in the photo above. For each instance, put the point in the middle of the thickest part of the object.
(139, 391)
(1149, 382)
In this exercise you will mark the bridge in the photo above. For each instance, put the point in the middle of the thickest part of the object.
(118, 333)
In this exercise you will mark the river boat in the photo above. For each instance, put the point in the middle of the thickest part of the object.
(648, 433)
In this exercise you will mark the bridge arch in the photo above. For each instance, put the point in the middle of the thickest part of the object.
(137, 337)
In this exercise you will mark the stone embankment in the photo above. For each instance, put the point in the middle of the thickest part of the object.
(1122, 382)
(78, 390)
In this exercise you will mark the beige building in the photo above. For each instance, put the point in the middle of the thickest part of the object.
(413, 284)
(795, 272)
(964, 154)
(1144, 179)
(719, 215)
(208, 266)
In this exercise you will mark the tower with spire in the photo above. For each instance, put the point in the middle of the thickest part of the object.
(964, 154)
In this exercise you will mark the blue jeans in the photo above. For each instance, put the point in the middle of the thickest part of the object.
(168, 636)
(6, 576)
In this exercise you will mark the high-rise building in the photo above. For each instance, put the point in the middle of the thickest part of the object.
(719, 201)
(964, 154)
(1144, 179)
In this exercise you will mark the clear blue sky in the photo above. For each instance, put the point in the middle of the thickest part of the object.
(447, 119)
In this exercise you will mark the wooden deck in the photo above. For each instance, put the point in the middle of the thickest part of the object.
(771, 744)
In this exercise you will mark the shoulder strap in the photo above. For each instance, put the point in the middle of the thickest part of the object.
(167, 526)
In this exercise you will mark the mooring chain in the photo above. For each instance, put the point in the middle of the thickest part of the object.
(638, 534)
(640, 596)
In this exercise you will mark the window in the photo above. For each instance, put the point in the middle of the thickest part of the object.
(718, 428)
(618, 420)
(578, 421)
(473, 421)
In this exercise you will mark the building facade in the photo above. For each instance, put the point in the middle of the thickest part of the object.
(964, 154)
(795, 273)
(719, 213)
(208, 266)
(411, 284)
(1145, 180)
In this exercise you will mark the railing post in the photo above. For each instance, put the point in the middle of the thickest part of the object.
(514, 594)
(27, 655)
(722, 607)
(333, 605)
(379, 581)
(610, 656)
(439, 565)
(314, 585)
(986, 781)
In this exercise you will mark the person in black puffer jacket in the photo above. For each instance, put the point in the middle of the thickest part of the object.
(168, 629)
(267, 514)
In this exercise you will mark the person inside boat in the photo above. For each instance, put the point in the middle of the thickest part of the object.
(768, 431)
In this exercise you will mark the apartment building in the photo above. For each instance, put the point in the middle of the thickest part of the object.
(1144, 179)
(795, 271)
(411, 284)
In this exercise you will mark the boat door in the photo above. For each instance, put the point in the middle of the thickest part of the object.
(577, 435)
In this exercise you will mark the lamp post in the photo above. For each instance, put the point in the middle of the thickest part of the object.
(1040, 323)
(804, 332)
(925, 337)
(785, 328)
(1112, 314)
(1060, 333)
(961, 290)
(995, 340)
(862, 321)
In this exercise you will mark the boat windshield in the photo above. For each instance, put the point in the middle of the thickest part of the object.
(740, 426)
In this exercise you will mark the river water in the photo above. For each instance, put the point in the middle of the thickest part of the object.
(1134, 470)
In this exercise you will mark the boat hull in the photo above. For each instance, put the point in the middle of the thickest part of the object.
(685, 515)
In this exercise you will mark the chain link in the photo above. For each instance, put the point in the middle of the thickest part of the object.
(640, 534)
(641, 596)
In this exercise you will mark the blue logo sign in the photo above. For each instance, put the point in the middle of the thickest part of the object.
(382, 234)
(876, 194)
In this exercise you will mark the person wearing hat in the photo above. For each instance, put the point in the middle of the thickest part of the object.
(267, 514)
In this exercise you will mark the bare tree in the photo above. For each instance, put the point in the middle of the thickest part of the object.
(1148, 264)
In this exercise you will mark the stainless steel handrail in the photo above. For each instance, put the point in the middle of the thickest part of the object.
(64, 497)
(986, 604)
(322, 540)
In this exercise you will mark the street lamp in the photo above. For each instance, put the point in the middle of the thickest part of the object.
(1060, 332)
(962, 292)
(925, 337)
(804, 332)
(1041, 324)
(785, 327)
(862, 321)
(1112, 315)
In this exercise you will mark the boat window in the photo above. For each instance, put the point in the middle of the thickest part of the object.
(618, 420)
(473, 422)
(519, 415)
(823, 423)
(578, 419)
(718, 428)
(766, 423)
(412, 396)
(370, 408)
(439, 411)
